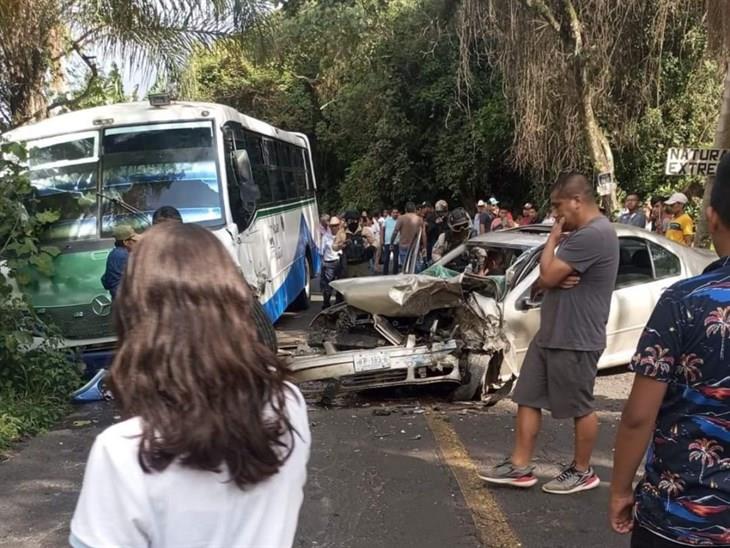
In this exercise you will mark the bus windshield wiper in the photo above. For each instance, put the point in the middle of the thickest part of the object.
(126, 206)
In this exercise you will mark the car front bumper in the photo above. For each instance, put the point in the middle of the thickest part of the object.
(381, 367)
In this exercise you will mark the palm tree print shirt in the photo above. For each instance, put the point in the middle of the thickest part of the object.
(685, 493)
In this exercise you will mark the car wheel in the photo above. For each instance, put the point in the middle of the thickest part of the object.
(474, 371)
(264, 327)
(303, 299)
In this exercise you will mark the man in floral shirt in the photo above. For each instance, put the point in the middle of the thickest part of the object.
(680, 407)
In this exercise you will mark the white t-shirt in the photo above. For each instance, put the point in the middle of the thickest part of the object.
(120, 506)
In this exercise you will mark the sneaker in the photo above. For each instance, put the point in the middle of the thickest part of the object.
(571, 480)
(505, 473)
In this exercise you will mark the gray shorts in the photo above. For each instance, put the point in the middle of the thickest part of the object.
(559, 380)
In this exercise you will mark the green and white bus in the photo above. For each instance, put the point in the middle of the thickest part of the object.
(250, 183)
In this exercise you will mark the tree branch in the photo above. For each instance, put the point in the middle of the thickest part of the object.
(542, 9)
(89, 62)
(576, 31)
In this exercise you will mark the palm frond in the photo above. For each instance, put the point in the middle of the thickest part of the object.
(160, 34)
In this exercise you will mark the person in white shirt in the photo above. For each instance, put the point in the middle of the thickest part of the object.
(331, 263)
(214, 446)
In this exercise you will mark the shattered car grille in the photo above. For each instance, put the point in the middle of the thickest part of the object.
(374, 377)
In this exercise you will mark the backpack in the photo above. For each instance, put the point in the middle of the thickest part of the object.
(356, 251)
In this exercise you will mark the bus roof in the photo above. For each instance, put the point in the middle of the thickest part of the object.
(143, 113)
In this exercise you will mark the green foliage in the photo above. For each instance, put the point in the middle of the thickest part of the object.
(374, 85)
(684, 114)
(36, 375)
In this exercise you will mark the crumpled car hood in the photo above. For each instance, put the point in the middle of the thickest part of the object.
(407, 295)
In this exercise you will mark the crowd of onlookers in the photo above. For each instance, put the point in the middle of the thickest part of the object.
(666, 216)
(377, 242)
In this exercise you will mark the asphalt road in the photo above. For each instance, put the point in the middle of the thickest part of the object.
(393, 468)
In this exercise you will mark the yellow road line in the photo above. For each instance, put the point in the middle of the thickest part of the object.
(491, 523)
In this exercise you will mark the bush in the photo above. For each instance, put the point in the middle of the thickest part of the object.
(36, 374)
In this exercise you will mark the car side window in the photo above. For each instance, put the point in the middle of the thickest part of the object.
(666, 263)
(634, 265)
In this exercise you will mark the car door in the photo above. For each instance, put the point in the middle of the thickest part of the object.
(521, 313)
(645, 270)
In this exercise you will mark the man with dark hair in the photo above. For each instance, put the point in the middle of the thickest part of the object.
(559, 369)
(165, 214)
(634, 215)
(389, 249)
(679, 407)
(659, 218)
(409, 227)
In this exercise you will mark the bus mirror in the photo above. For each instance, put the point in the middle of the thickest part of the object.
(243, 167)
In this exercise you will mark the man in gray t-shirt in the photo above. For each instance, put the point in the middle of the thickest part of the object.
(575, 318)
(559, 369)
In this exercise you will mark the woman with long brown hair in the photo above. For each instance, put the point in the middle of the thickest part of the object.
(214, 447)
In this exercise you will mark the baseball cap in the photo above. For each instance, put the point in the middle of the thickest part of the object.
(528, 205)
(481, 203)
(334, 221)
(677, 198)
(442, 205)
(493, 201)
(122, 233)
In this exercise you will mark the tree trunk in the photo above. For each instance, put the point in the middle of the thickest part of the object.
(722, 140)
(599, 148)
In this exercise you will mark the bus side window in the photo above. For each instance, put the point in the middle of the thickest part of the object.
(285, 163)
(300, 176)
(271, 161)
(260, 173)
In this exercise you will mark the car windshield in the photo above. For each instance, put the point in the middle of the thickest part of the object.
(63, 173)
(500, 263)
(146, 167)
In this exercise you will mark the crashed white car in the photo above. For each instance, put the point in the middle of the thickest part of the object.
(451, 324)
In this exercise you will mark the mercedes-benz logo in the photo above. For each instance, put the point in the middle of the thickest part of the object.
(101, 305)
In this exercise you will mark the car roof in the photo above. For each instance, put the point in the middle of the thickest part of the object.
(524, 237)
(529, 236)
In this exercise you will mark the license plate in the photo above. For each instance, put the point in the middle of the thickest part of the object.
(371, 361)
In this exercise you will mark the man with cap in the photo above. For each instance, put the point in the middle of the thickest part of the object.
(331, 267)
(125, 239)
(482, 219)
(529, 215)
(681, 229)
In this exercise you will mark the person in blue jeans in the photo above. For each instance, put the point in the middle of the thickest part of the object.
(125, 239)
(386, 235)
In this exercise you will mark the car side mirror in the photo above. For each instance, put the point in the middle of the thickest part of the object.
(527, 303)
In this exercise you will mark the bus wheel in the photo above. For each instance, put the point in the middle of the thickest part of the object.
(264, 327)
(302, 300)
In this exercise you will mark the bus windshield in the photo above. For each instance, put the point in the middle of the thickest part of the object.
(148, 166)
(63, 171)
